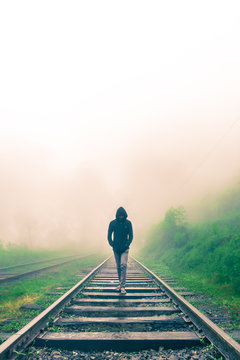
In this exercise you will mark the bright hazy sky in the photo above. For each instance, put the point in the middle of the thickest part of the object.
(124, 88)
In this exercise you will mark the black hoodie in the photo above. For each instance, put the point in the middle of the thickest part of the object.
(122, 232)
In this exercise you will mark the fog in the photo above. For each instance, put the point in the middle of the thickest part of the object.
(105, 105)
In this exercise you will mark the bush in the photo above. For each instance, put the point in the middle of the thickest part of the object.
(211, 247)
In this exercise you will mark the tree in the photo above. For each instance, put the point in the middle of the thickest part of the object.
(174, 227)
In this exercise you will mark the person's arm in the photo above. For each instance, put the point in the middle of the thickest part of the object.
(110, 231)
(130, 234)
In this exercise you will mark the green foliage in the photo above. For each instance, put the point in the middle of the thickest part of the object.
(34, 289)
(170, 233)
(210, 247)
(220, 294)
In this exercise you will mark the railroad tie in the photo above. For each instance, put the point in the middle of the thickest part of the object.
(99, 318)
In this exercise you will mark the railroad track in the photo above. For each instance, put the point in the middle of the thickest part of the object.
(92, 316)
(8, 277)
(12, 267)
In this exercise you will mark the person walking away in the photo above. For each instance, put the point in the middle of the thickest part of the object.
(120, 235)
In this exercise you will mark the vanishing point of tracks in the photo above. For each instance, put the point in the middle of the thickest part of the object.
(92, 316)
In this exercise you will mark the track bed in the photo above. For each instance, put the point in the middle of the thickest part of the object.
(98, 320)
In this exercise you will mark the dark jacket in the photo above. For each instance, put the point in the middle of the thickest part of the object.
(122, 232)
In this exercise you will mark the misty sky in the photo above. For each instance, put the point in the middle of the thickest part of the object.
(106, 104)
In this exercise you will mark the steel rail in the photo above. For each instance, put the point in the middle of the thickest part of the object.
(34, 262)
(228, 347)
(32, 272)
(21, 339)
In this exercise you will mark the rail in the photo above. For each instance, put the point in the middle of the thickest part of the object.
(32, 272)
(229, 348)
(20, 340)
(34, 263)
(222, 341)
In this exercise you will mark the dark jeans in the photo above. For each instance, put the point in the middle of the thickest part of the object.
(121, 262)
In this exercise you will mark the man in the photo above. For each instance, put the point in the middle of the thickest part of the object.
(121, 228)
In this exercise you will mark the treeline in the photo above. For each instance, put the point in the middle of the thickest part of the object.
(210, 247)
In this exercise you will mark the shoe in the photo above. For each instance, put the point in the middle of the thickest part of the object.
(118, 288)
(123, 291)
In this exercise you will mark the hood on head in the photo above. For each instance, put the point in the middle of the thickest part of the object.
(121, 211)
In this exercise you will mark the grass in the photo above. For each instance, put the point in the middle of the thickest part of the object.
(209, 247)
(220, 295)
(13, 254)
(31, 267)
(33, 290)
(204, 255)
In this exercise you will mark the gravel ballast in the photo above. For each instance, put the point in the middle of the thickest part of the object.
(186, 354)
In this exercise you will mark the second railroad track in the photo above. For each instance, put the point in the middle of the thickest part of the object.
(93, 316)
